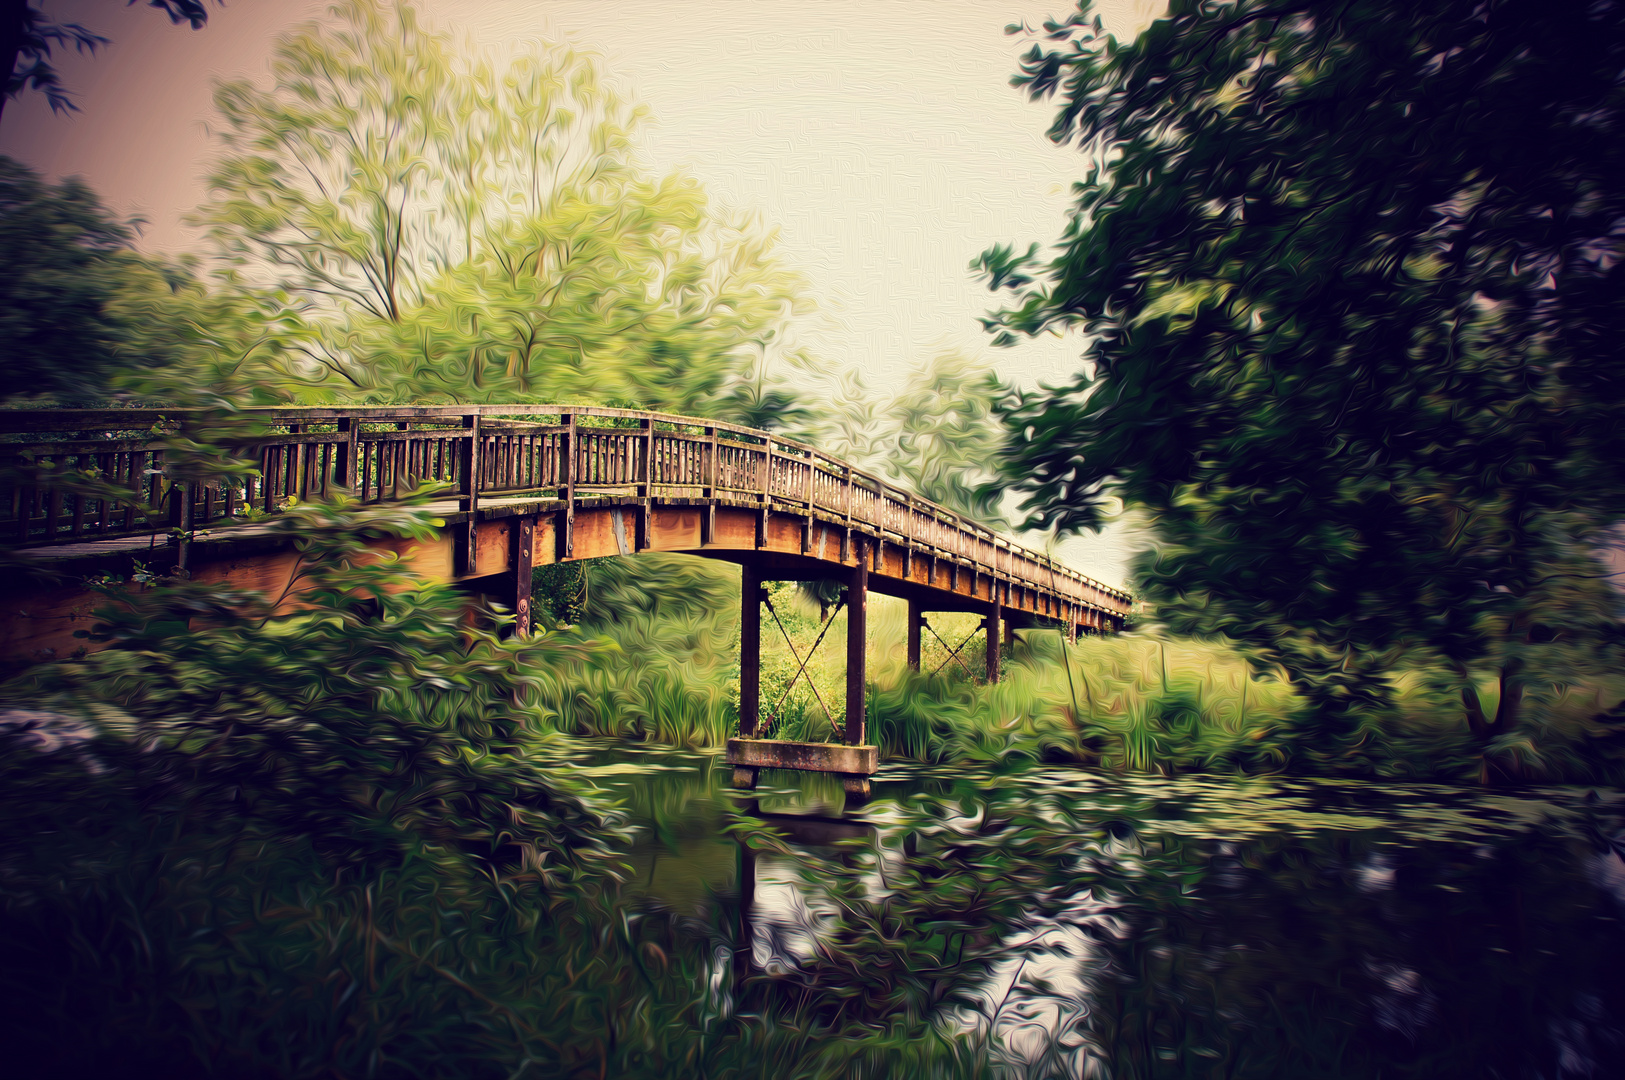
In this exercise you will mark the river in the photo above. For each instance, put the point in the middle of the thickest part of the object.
(1054, 921)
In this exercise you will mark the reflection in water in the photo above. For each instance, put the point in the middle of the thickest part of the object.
(1067, 924)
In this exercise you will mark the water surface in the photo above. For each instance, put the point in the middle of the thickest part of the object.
(1072, 923)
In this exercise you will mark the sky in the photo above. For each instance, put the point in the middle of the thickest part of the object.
(882, 140)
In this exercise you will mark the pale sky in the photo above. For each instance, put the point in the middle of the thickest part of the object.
(882, 140)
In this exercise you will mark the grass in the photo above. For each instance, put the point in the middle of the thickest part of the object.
(1137, 702)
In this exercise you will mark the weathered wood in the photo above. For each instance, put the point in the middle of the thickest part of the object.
(350, 428)
(568, 447)
(468, 496)
(750, 649)
(857, 629)
(993, 640)
(522, 558)
(803, 503)
(915, 614)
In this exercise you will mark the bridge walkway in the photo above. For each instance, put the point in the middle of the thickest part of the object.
(87, 491)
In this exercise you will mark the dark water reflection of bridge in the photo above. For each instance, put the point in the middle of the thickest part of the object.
(1157, 927)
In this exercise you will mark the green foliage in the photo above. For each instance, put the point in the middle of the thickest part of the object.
(27, 40)
(67, 259)
(461, 230)
(942, 439)
(674, 674)
(1143, 703)
(1123, 705)
(305, 830)
(86, 318)
(935, 434)
(1350, 279)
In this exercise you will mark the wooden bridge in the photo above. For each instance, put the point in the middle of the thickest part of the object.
(95, 491)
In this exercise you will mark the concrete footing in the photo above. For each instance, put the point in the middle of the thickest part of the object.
(858, 761)
(853, 764)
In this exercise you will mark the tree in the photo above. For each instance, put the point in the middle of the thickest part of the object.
(67, 260)
(946, 438)
(85, 317)
(1352, 282)
(27, 39)
(935, 433)
(467, 231)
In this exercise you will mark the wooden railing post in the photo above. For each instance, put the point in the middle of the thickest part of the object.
(879, 552)
(397, 462)
(846, 537)
(348, 453)
(766, 495)
(708, 467)
(908, 536)
(181, 496)
(645, 487)
(468, 497)
(708, 488)
(646, 474)
(567, 484)
(807, 491)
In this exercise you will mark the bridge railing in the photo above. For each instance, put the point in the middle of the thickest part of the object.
(77, 475)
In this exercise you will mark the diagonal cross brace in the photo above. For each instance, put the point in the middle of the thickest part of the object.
(774, 711)
(953, 654)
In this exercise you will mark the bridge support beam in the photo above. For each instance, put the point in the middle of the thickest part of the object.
(750, 666)
(915, 617)
(993, 620)
(857, 633)
(750, 649)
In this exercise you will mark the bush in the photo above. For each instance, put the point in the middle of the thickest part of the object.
(308, 833)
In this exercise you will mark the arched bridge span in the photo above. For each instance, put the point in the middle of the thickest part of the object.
(534, 484)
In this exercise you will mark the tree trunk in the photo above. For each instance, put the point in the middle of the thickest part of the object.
(1506, 712)
(1475, 711)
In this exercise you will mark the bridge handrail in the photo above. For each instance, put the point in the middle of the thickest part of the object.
(137, 464)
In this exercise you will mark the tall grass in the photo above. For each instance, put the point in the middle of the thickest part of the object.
(671, 674)
(1141, 702)
(1146, 703)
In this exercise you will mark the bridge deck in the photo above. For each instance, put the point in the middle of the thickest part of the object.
(89, 490)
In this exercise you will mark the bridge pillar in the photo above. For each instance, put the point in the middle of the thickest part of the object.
(750, 665)
(915, 617)
(857, 628)
(993, 620)
(750, 649)
(857, 639)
